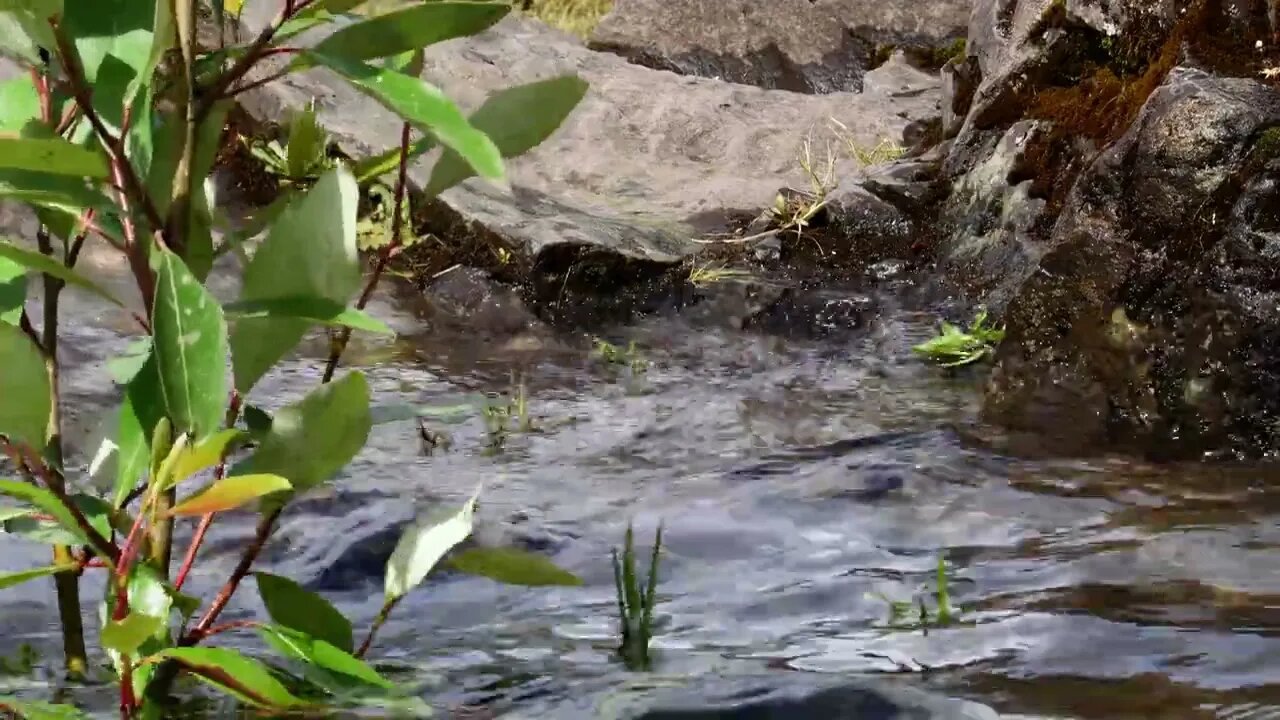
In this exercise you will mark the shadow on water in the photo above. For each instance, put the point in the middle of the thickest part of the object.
(799, 482)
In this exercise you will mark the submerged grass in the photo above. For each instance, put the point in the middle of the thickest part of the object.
(579, 17)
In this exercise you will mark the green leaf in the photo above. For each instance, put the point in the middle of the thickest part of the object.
(517, 120)
(19, 103)
(232, 673)
(409, 62)
(292, 606)
(13, 290)
(318, 653)
(190, 338)
(311, 309)
(423, 105)
(421, 547)
(410, 29)
(375, 166)
(230, 493)
(45, 502)
(512, 566)
(55, 156)
(312, 440)
(56, 192)
(127, 635)
(204, 454)
(315, 14)
(126, 366)
(114, 39)
(142, 408)
(9, 579)
(40, 263)
(36, 710)
(97, 512)
(24, 389)
(310, 251)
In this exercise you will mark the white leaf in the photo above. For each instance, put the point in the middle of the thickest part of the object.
(422, 546)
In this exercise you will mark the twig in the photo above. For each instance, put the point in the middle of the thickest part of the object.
(233, 625)
(115, 146)
(209, 96)
(384, 257)
(257, 83)
(265, 527)
(383, 614)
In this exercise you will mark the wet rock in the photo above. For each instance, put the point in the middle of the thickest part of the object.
(991, 216)
(1022, 46)
(959, 82)
(1150, 316)
(797, 45)
(642, 157)
(468, 298)
(795, 696)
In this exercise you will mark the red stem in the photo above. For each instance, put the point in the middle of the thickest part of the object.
(233, 625)
(201, 630)
(196, 541)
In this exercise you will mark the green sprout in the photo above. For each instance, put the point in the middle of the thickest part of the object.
(954, 347)
(635, 607)
(613, 355)
(303, 158)
(900, 611)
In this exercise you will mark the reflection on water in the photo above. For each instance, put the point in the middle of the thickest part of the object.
(796, 481)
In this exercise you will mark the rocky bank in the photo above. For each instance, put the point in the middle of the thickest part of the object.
(1099, 174)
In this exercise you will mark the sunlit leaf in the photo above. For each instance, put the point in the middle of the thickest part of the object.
(411, 28)
(375, 166)
(233, 673)
(40, 263)
(295, 607)
(230, 493)
(127, 635)
(312, 440)
(423, 105)
(421, 547)
(318, 653)
(314, 14)
(311, 309)
(19, 103)
(310, 251)
(190, 345)
(55, 156)
(9, 579)
(204, 454)
(114, 40)
(512, 566)
(126, 366)
(25, 401)
(517, 120)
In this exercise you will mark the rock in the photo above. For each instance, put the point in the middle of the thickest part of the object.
(1151, 316)
(469, 299)
(991, 215)
(783, 696)
(798, 45)
(640, 165)
(1022, 46)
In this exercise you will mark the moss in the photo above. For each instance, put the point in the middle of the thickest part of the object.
(1267, 146)
(955, 50)
(579, 17)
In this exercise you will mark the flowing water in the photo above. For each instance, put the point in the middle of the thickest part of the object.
(797, 481)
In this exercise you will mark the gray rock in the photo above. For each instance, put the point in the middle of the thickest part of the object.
(798, 45)
(1152, 309)
(644, 159)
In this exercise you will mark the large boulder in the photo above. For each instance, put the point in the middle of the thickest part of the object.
(1152, 315)
(648, 161)
(799, 45)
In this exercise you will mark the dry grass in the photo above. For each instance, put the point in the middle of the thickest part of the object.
(576, 16)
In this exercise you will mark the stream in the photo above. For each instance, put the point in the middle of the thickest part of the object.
(797, 481)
